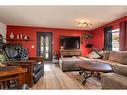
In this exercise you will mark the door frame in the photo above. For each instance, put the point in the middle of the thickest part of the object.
(38, 34)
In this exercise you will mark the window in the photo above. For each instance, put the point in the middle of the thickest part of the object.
(115, 40)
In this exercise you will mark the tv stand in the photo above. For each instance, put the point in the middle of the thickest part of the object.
(69, 52)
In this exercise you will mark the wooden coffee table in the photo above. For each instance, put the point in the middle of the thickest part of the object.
(88, 69)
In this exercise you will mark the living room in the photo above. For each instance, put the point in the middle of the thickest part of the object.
(63, 47)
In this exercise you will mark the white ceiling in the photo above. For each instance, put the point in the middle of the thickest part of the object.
(60, 16)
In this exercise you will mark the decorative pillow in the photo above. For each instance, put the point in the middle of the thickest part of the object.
(2, 58)
(120, 69)
(11, 52)
(99, 52)
(93, 55)
(74, 57)
(23, 54)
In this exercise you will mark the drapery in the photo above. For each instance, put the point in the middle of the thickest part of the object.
(108, 38)
(123, 36)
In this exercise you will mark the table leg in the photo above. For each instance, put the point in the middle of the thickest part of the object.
(86, 76)
(21, 80)
(98, 75)
(80, 72)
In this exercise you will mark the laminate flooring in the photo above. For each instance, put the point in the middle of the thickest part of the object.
(54, 78)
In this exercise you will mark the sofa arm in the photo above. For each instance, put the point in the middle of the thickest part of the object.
(113, 81)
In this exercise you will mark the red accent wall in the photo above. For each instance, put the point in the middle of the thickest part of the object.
(56, 33)
(98, 34)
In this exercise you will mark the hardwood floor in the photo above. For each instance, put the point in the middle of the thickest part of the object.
(54, 78)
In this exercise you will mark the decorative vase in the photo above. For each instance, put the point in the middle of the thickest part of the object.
(12, 35)
(20, 36)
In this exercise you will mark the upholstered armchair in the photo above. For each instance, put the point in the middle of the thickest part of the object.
(18, 56)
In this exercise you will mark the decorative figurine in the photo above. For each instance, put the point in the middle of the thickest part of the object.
(17, 36)
(12, 35)
(25, 37)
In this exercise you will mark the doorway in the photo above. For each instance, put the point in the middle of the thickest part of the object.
(44, 46)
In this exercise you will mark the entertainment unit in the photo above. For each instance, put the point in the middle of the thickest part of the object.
(69, 53)
(70, 46)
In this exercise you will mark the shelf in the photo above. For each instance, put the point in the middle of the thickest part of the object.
(19, 40)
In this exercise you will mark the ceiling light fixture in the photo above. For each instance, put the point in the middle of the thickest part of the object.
(84, 24)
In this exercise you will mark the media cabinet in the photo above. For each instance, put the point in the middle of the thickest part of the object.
(67, 53)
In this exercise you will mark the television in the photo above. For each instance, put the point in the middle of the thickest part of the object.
(70, 42)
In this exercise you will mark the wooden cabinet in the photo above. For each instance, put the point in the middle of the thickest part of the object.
(27, 65)
(73, 52)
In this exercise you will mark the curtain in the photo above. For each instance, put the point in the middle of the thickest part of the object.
(108, 38)
(123, 36)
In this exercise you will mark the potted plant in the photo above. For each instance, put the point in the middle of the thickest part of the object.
(87, 37)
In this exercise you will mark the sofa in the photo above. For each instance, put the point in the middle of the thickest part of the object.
(118, 62)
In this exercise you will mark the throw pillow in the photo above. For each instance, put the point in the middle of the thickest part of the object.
(99, 52)
(2, 58)
(93, 55)
(120, 69)
(23, 54)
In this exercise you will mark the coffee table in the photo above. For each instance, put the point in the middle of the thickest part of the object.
(88, 69)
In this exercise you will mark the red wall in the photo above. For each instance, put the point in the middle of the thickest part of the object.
(98, 36)
(56, 33)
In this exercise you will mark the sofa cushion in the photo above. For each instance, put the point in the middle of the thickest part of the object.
(87, 59)
(123, 57)
(107, 62)
(114, 56)
(113, 81)
(120, 69)
(105, 55)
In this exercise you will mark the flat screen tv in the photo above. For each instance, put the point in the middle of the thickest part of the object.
(70, 42)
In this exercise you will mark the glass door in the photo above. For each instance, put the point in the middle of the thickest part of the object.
(44, 45)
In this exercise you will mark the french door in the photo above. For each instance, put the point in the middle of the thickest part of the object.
(44, 46)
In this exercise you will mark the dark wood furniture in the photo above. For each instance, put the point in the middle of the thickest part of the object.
(73, 52)
(28, 64)
(88, 69)
(9, 73)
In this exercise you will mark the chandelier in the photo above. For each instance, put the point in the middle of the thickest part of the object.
(84, 24)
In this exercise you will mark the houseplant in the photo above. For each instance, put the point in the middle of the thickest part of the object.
(87, 37)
